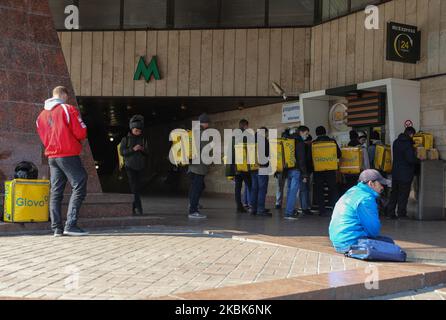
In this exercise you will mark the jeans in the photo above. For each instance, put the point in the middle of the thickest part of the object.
(62, 170)
(135, 186)
(259, 189)
(304, 195)
(320, 178)
(239, 179)
(195, 191)
(399, 195)
(281, 179)
(380, 238)
(293, 189)
(246, 196)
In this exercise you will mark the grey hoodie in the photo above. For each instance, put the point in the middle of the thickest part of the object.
(52, 102)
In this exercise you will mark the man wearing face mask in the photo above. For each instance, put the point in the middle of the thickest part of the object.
(355, 215)
(304, 194)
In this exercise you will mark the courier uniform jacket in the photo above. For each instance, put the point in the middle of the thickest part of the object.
(61, 129)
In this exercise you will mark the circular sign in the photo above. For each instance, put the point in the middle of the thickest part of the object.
(403, 45)
(408, 123)
(338, 117)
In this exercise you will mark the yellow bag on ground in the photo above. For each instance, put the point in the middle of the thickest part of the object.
(276, 154)
(425, 140)
(26, 200)
(351, 161)
(246, 157)
(325, 156)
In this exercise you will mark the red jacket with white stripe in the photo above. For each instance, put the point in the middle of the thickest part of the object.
(61, 129)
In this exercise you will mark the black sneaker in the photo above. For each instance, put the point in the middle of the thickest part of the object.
(58, 233)
(278, 206)
(307, 212)
(75, 232)
(252, 212)
(265, 213)
(241, 210)
(292, 217)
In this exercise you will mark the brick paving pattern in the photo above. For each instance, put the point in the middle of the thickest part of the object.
(140, 264)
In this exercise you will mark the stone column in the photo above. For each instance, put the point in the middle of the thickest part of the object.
(31, 65)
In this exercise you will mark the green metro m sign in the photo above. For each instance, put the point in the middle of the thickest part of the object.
(147, 70)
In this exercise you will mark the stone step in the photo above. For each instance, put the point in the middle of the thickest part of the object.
(98, 205)
(86, 223)
(342, 285)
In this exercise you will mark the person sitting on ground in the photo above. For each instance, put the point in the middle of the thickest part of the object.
(355, 215)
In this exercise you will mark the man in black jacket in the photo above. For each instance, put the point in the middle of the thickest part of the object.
(304, 194)
(241, 177)
(134, 150)
(403, 171)
(295, 176)
(328, 177)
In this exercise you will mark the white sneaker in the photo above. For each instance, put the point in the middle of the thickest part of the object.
(197, 215)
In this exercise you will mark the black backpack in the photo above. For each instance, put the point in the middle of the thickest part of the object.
(26, 170)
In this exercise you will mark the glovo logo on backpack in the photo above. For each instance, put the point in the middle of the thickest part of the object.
(27, 202)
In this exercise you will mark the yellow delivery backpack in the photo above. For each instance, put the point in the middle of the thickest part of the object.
(351, 161)
(383, 158)
(289, 153)
(425, 140)
(26, 200)
(282, 154)
(120, 157)
(325, 156)
(183, 147)
(276, 154)
(246, 157)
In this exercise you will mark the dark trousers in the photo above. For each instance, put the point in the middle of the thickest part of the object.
(62, 170)
(320, 178)
(399, 196)
(135, 183)
(195, 191)
(239, 179)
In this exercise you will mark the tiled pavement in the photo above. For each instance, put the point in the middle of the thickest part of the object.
(293, 260)
(138, 264)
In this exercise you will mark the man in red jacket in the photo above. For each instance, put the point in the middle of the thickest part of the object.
(61, 130)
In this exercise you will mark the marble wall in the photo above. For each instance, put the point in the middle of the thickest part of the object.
(31, 65)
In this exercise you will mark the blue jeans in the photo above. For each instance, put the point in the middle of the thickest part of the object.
(293, 189)
(195, 191)
(304, 195)
(246, 196)
(380, 238)
(259, 189)
(62, 170)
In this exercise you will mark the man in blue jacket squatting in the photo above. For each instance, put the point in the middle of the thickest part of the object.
(355, 215)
